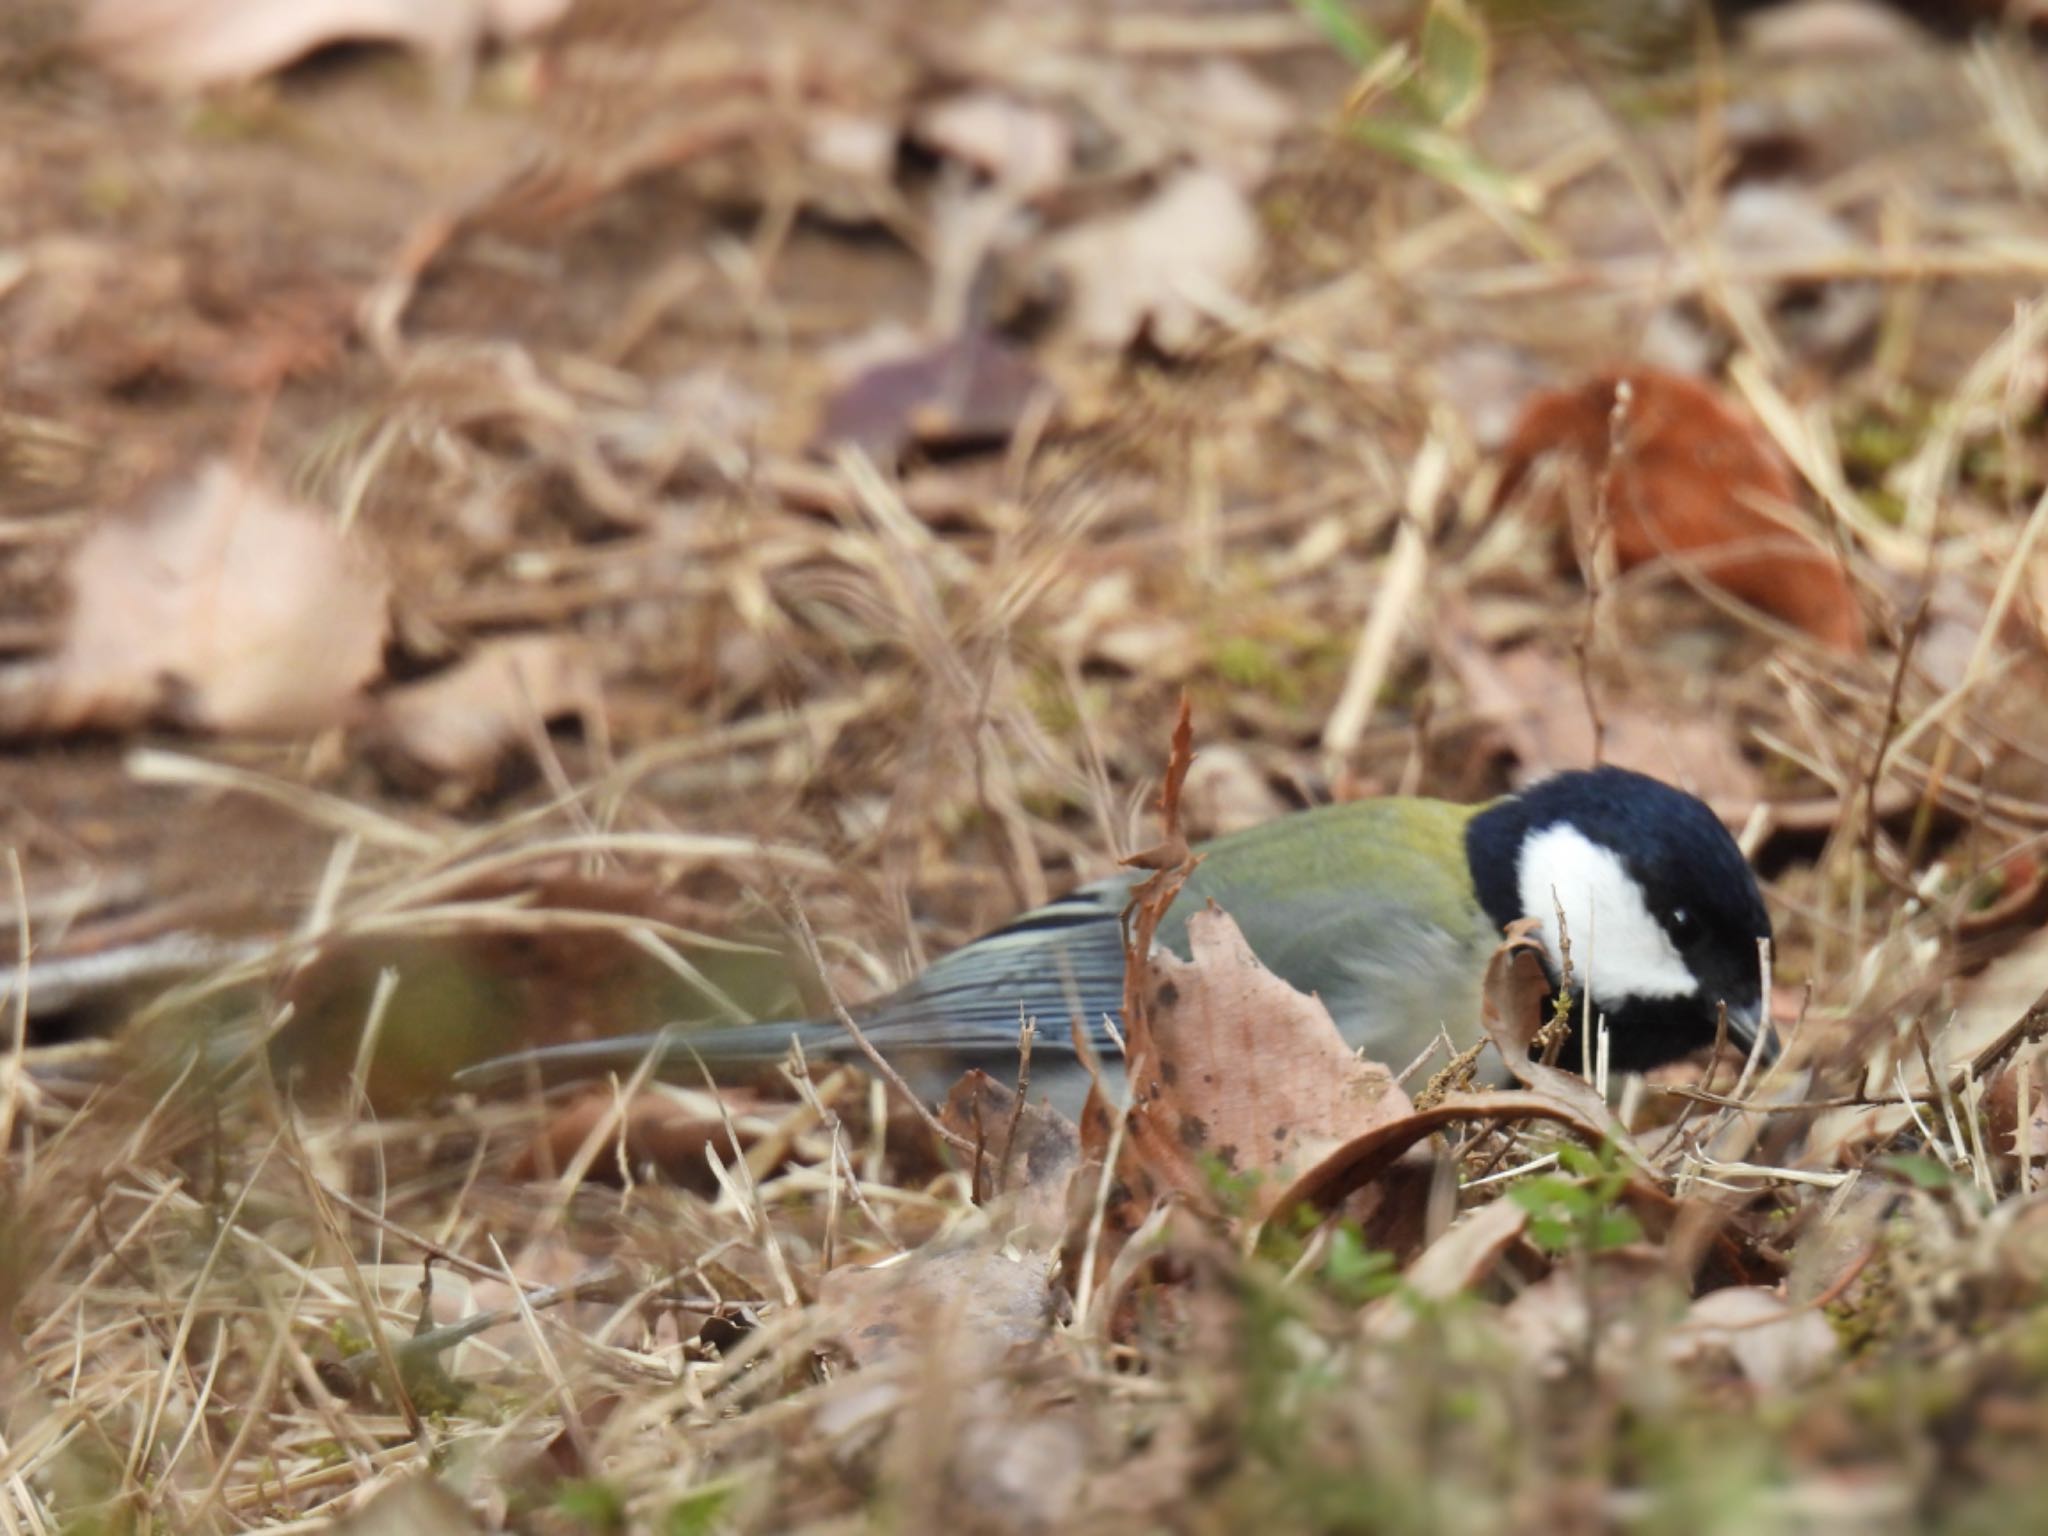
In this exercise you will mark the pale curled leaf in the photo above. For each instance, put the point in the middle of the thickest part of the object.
(1457, 1261)
(220, 606)
(1147, 271)
(976, 1302)
(1775, 1345)
(460, 724)
(1517, 996)
(188, 45)
(1026, 149)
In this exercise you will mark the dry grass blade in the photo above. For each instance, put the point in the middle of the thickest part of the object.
(1210, 332)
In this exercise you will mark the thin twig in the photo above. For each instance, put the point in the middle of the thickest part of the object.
(815, 955)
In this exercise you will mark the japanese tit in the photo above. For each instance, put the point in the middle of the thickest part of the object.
(1386, 909)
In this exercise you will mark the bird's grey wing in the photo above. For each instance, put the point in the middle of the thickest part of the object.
(1391, 976)
(1056, 964)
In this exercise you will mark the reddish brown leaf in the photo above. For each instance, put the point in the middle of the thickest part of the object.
(1679, 472)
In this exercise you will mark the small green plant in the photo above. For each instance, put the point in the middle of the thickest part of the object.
(1354, 1272)
(595, 1506)
(699, 1512)
(1414, 101)
(1919, 1170)
(1578, 1209)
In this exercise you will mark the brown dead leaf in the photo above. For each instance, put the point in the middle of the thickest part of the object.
(1360, 1162)
(1148, 271)
(1679, 472)
(1457, 1261)
(1535, 699)
(656, 1128)
(1517, 1004)
(1517, 992)
(189, 45)
(2005, 1138)
(457, 727)
(967, 392)
(221, 606)
(1195, 1108)
(1029, 1153)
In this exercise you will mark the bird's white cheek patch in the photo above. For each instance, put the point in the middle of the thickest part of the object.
(1619, 949)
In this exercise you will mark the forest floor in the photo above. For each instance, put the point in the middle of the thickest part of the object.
(699, 508)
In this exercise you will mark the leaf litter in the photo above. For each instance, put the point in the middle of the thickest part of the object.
(604, 284)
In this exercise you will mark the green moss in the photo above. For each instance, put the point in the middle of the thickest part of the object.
(592, 1504)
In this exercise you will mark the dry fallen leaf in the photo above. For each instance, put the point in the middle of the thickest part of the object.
(1149, 270)
(660, 1128)
(979, 1301)
(1198, 1115)
(1534, 697)
(968, 392)
(1457, 1261)
(188, 45)
(1029, 1154)
(943, 1340)
(458, 726)
(420, 1505)
(1678, 471)
(221, 606)
(1027, 150)
(1555, 1322)
(1775, 1345)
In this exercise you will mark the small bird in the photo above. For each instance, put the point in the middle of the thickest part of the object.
(1386, 909)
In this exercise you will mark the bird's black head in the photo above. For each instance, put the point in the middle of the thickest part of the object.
(1661, 911)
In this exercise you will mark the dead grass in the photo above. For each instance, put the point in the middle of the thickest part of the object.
(556, 348)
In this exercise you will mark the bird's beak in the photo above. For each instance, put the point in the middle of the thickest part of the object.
(1744, 1025)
